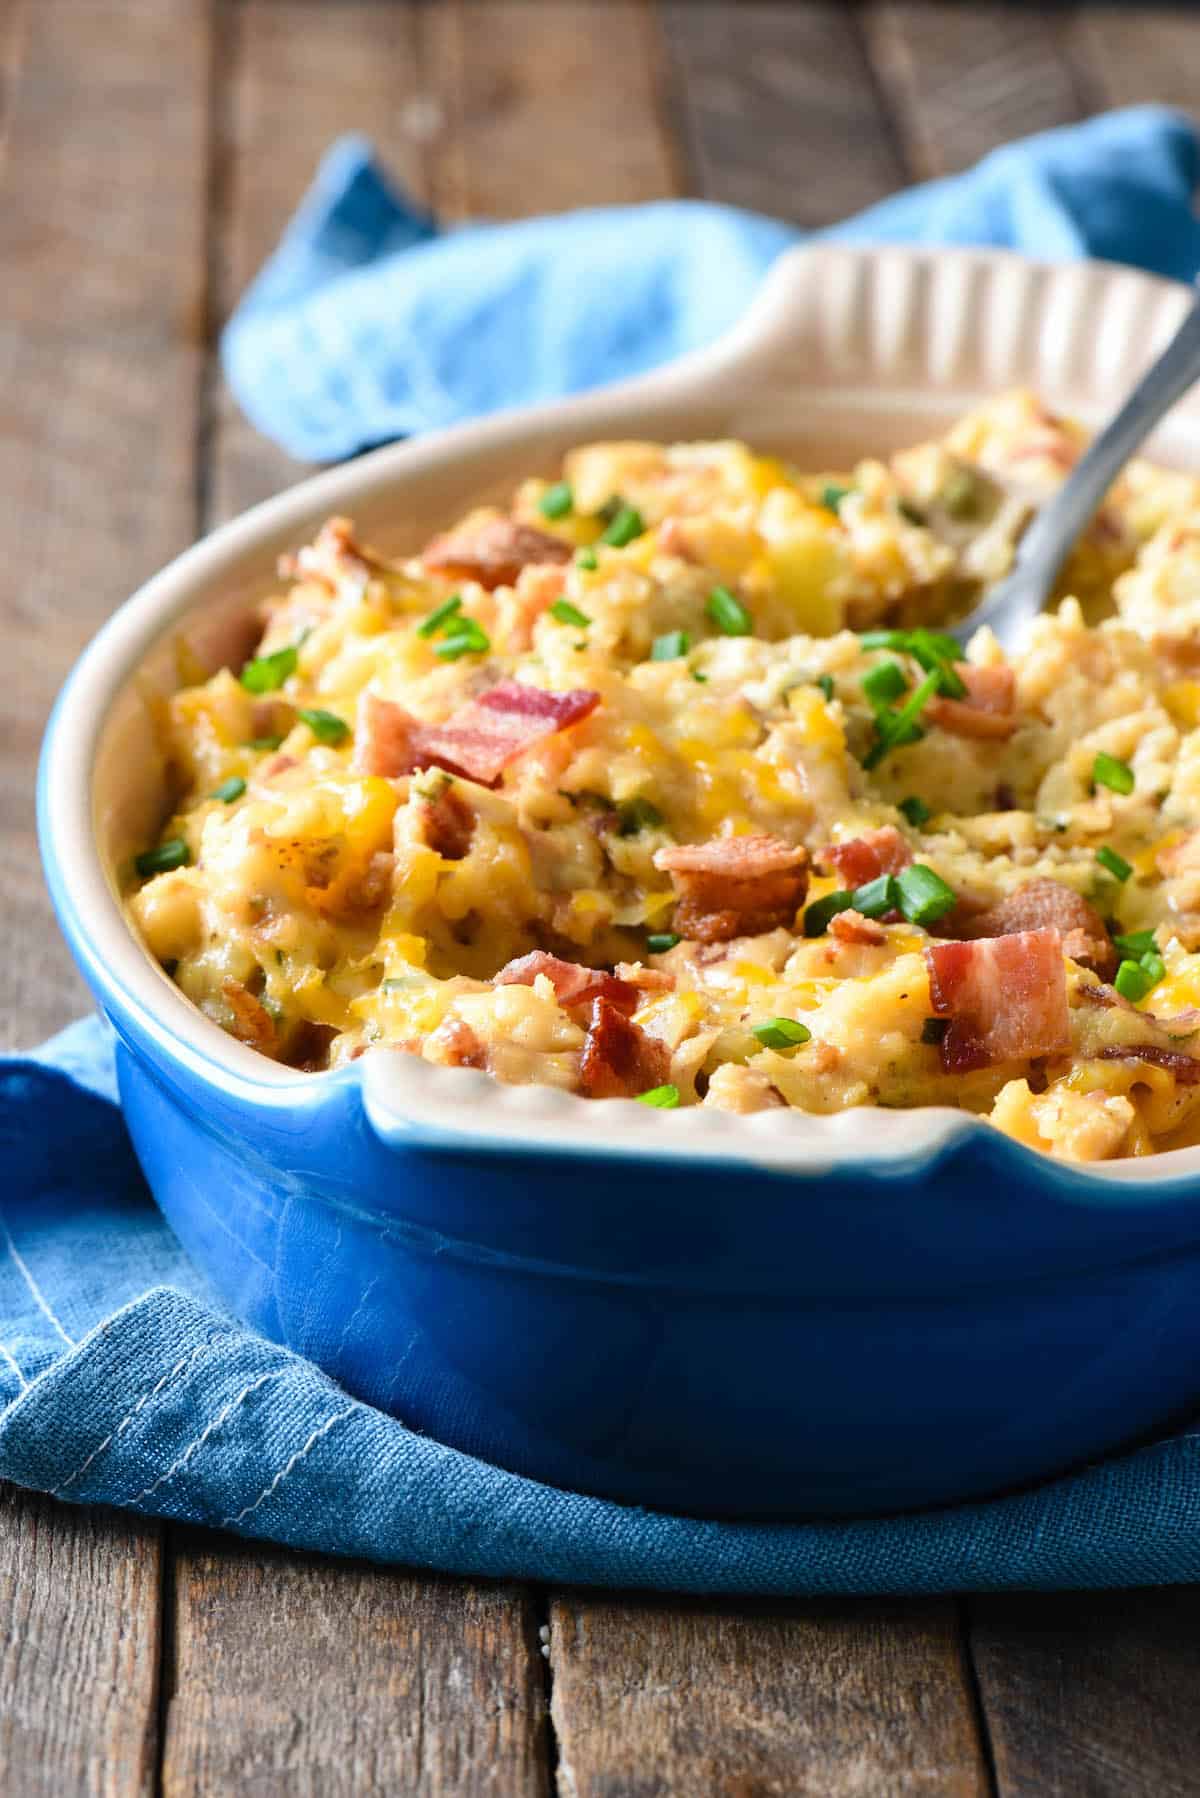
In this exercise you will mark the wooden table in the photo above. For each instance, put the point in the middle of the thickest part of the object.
(153, 148)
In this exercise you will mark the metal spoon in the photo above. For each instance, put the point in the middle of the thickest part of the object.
(1011, 607)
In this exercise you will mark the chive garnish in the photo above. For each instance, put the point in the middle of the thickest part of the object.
(1133, 981)
(663, 1098)
(670, 646)
(229, 790)
(825, 683)
(566, 613)
(728, 614)
(174, 853)
(627, 524)
(466, 639)
(916, 811)
(659, 941)
(832, 495)
(900, 727)
(1154, 965)
(782, 1033)
(587, 558)
(923, 896)
(635, 815)
(557, 500)
(429, 627)
(821, 911)
(876, 898)
(1136, 944)
(885, 683)
(1107, 771)
(265, 673)
(697, 676)
(264, 742)
(325, 726)
(1116, 864)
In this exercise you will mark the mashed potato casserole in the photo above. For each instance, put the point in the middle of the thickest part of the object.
(665, 784)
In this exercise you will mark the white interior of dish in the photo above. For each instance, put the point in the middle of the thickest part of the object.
(846, 352)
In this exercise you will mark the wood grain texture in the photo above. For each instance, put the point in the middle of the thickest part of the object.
(779, 109)
(547, 106)
(305, 1677)
(101, 238)
(660, 1696)
(1091, 1695)
(293, 77)
(79, 1638)
(960, 80)
(1131, 55)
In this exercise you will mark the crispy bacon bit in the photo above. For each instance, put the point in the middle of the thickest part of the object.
(619, 1060)
(456, 1045)
(735, 886)
(1047, 905)
(572, 983)
(479, 741)
(1186, 1068)
(647, 980)
(252, 1022)
(851, 927)
(1006, 997)
(865, 858)
(987, 711)
(493, 553)
(448, 823)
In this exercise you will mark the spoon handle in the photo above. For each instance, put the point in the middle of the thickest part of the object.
(1043, 549)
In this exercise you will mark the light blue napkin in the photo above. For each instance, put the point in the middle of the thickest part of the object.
(120, 1379)
(369, 323)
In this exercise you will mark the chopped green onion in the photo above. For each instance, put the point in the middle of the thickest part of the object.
(901, 727)
(825, 682)
(627, 524)
(1116, 864)
(1136, 944)
(436, 620)
(728, 614)
(1133, 981)
(325, 726)
(922, 895)
(557, 501)
(172, 854)
(782, 1033)
(229, 790)
(832, 495)
(264, 743)
(265, 673)
(916, 811)
(670, 646)
(930, 649)
(696, 675)
(399, 982)
(885, 683)
(821, 911)
(467, 639)
(587, 558)
(1153, 965)
(637, 814)
(1107, 771)
(883, 640)
(960, 493)
(566, 613)
(876, 898)
(663, 1098)
(659, 941)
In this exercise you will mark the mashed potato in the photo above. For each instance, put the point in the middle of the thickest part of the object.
(665, 784)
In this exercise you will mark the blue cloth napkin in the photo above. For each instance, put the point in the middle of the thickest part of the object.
(121, 1379)
(369, 322)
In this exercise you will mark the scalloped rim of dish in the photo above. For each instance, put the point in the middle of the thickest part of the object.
(813, 298)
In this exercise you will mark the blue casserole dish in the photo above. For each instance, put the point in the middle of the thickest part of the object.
(757, 1317)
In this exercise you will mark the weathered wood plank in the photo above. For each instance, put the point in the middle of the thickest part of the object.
(657, 1696)
(546, 106)
(79, 1641)
(962, 79)
(1129, 55)
(101, 237)
(1091, 1695)
(299, 1676)
(780, 109)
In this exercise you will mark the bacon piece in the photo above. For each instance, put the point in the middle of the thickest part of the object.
(493, 553)
(987, 711)
(647, 980)
(448, 823)
(1006, 997)
(573, 983)
(619, 1060)
(1186, 1068)
(851, 927)
(865, 858)
(457, 1046)
(1048, 905)
(252, 1022)
(479, 741)
(735, 886)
